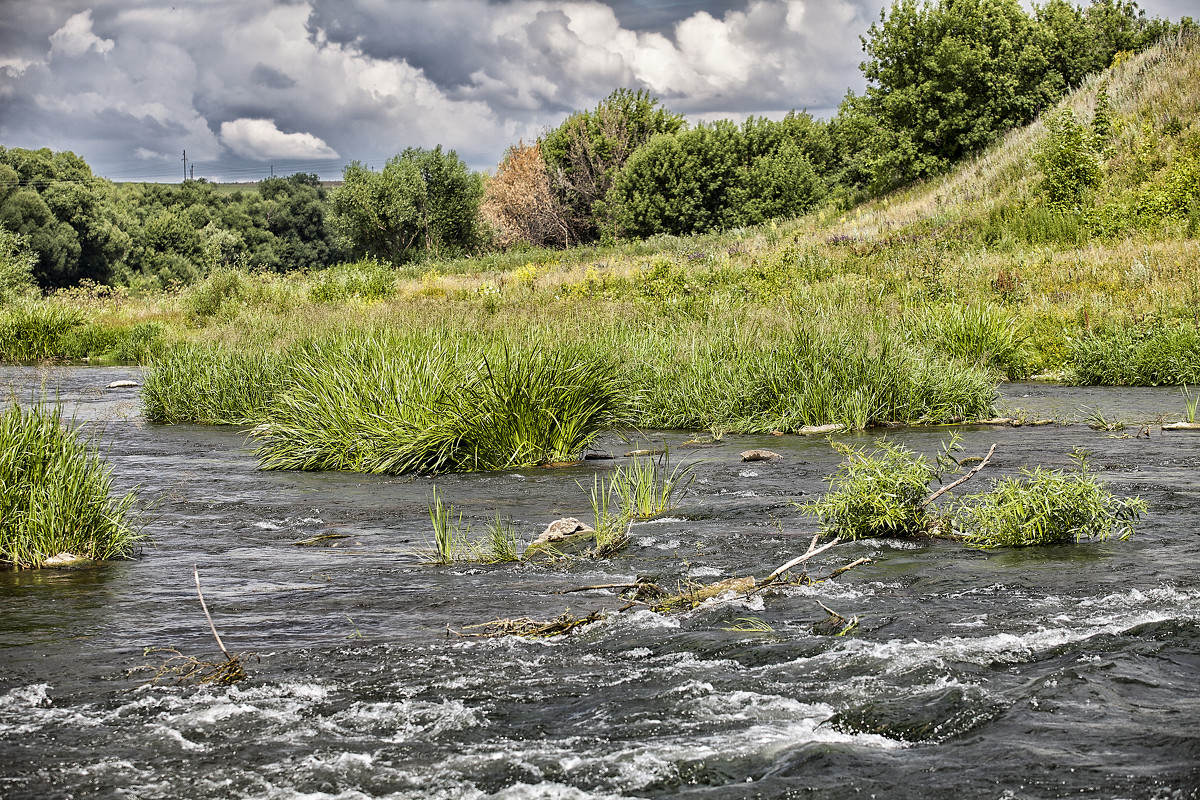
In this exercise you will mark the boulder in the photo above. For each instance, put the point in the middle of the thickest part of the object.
(123, 385)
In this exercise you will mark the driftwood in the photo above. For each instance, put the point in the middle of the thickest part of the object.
(561, 625)
(813, 550)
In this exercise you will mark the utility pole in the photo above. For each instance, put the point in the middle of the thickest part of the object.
(185, 165)
(193, 175)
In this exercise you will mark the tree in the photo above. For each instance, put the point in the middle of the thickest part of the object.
(422, 202)
(587, 151)
(521, 206)
(16, 267)
(714, 177)
(64, 211)
(945, 79)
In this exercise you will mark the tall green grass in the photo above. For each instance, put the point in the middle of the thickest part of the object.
(214, 386)
(393, 404)
(55, 493)
(1157, 354)
(34, 330)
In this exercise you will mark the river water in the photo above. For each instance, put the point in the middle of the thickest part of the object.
(1068, 671)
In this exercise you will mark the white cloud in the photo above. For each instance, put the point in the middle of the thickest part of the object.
(260, 140)
(75, 37)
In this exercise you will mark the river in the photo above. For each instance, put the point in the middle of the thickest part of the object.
(1066, 671)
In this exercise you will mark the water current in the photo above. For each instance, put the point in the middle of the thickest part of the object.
(1066, 671)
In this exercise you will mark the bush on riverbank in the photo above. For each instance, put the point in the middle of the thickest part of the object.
(1158, 353)
(55, 493)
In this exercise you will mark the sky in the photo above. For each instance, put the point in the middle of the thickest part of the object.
(253, 87)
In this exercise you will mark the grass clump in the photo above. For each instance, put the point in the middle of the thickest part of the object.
(417, 404)
(647, 487)
(212, 386)
(450, 537)
(34, 330)
(1157, 353)
(1042, 506)
(55, 493)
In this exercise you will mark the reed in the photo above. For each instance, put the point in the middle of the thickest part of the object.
(55, 493)
(212, 386)
(35, 330)
(450, 537)
(1157, 353)
(1189, 413)
(646, 487)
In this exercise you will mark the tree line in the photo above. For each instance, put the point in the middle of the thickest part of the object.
(944, 79)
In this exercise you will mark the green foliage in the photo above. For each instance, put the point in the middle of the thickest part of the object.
(16, 268)
(1043, 506)
(944, 78)
(586, 152)
(1068, 160)
(715, 177)
(216, 294)
(64, 212)
(879, 493)
(1155, 353)
(55, 493)
(424, 203)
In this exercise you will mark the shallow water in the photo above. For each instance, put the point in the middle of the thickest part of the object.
(1049, 672)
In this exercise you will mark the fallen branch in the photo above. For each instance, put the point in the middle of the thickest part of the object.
(846, 568)
(203, 605)
(970, 474)
(813, 550)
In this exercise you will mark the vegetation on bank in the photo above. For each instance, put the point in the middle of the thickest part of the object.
(55, 493)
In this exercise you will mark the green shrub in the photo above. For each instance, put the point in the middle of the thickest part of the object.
(879, 493)
(1068, 160)
(367, 278)
(55, 493)
(216, 293)
(1043, 506)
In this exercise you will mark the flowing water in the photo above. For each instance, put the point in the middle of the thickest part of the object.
(1067, 671)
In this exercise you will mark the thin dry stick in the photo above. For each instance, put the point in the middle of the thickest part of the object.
(970, 474)
(601, 586)
(847, 568)
(813, 550)
(200, 594)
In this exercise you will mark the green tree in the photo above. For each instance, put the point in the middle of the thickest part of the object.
(587, 151)
(64, 211)
(944, 79)
(16, 267)
(423, 202)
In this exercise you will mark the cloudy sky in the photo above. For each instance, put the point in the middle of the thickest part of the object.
(245, 86)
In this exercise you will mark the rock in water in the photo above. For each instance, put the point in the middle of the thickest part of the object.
(65, 560)
(817, 430)
(760, 455)
(122, 385)
(567, 535)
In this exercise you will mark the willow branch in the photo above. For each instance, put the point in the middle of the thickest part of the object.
(970, 474)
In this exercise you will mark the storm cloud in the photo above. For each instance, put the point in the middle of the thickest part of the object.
(309, 85)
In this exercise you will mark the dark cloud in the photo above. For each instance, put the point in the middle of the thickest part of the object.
(270, 77)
